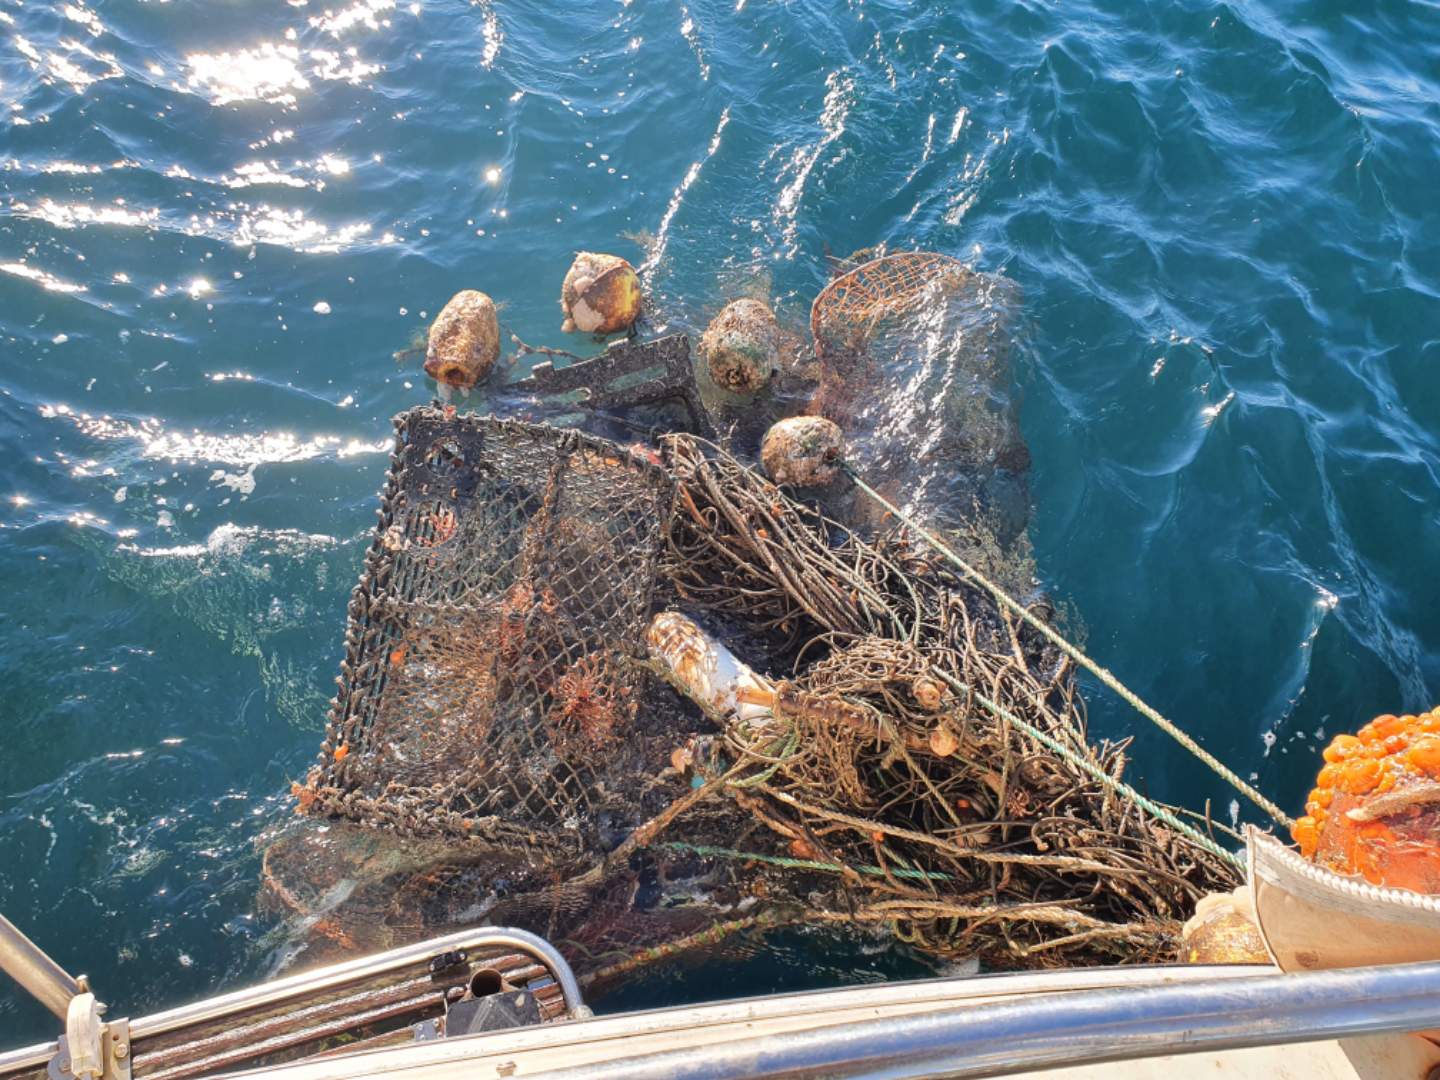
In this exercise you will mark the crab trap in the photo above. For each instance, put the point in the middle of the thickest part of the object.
(489, 691)
(908, 756)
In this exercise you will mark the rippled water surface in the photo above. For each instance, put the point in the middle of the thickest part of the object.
(219, 220)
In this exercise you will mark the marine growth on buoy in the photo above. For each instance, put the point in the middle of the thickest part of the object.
(1375, 808)
(600, 295)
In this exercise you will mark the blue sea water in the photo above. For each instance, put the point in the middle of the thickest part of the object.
(219, 219)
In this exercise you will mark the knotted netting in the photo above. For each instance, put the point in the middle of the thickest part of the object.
(929, 750)
(489, 689)
(919, 765)
(924, 767)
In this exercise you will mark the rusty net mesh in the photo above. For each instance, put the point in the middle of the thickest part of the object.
(496, 709)
(916, 363)
(856, 304)
(489, 690)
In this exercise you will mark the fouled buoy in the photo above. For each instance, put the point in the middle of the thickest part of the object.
(1223, 930)
(601, 295)
(1375, 809)
(464, 340)
(802, 450)
(741, 346)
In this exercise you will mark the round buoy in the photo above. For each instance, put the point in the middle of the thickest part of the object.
(601, 295)
(802, 450)
(1375, 809)
(741, 346)
(1223, 931)
(464, 340)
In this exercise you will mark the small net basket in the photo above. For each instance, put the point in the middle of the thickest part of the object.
(489, 689)
(850, 310)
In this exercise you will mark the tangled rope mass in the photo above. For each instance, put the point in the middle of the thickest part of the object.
(912, 756)
(968, 834)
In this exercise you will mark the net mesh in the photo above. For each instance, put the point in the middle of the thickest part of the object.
(915, 363)
(495, 699)
(857, 303)
(489, 689)
(878, 765)
(956, 828)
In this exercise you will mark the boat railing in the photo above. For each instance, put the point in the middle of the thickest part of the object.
(1083, 1027)
(59, 991)
(940, 1028)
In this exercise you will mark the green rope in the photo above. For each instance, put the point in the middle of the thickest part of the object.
(1119, 787)
(1101, 673)
(786, 744)
(800, 864)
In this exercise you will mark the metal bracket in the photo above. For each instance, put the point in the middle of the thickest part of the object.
(668, 358)
(114, 1055)
(448, 961)
(117, 1050)
(58, 1067)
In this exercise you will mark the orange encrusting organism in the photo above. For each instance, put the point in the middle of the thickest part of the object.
(1375, 808)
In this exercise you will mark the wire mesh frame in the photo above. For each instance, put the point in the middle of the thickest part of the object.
(490, 640)
(849, 309)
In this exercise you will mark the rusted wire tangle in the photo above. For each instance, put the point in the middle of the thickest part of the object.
(490, 695)
(955, 828)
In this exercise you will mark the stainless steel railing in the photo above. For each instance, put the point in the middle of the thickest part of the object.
(1086, 1027)
(294, 988)
(311, 982)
